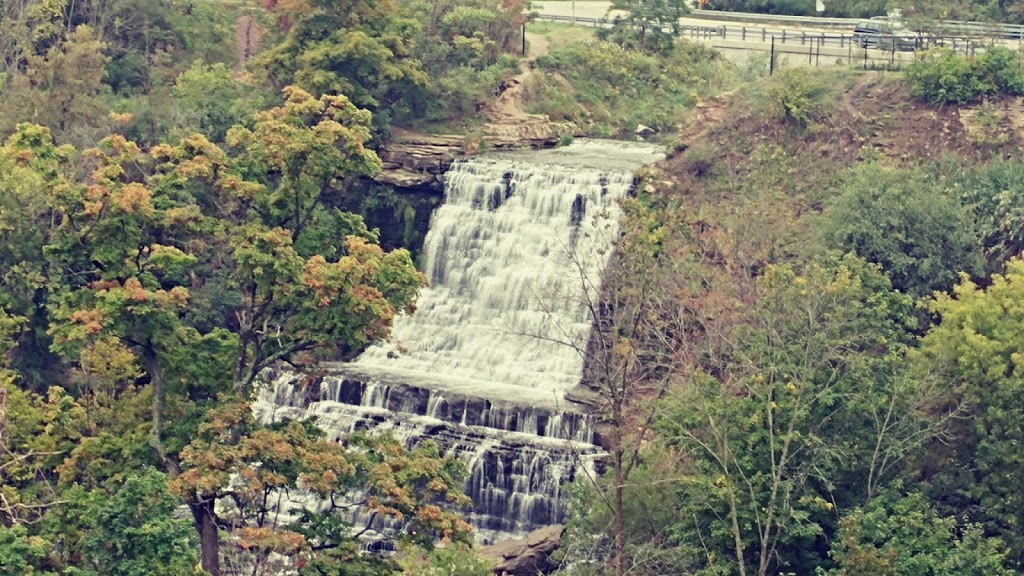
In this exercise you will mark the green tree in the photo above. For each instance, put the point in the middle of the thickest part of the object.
(902, 535)
(995, 193)
(359, 49)
(61, 88)
(33, 169)
(806, 415)
(126, 528)
(918, 231)
(129, 246)
(173, 277)
(213, 98)
(651, 25)
(976, 349)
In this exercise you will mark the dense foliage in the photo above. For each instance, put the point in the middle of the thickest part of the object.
(801, 366)
(944, 77)
(829, 388)
(609, 88)
(168, 281)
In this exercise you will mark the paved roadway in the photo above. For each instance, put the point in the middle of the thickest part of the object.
(599, 9)
(795, 45)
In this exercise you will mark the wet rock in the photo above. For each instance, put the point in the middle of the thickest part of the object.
(527, 556)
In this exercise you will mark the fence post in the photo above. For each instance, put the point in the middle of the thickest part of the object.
(744, 33)
(783, 35)
(524, 39)
(771, 59)
(803, 38)
(763, 32)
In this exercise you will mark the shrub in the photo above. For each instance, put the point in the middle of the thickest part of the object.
(921, 234)
(610, 89)
(945, 77)
(799, 96)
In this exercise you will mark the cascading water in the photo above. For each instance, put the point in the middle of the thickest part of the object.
(513, 255)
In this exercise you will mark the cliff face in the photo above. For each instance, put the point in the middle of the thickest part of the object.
(418, 161)
(402, 196)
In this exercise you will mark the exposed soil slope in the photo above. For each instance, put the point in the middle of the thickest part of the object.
(875, 117)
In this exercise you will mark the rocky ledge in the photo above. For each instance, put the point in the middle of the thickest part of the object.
(528, 556)
(419, 161)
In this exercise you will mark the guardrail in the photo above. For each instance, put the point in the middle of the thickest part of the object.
(998, 30)
(980, 29)
(967, 44)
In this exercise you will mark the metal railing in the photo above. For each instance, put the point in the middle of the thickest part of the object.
(998, 30)
(900, 43)
(945, 28)
(808, 48)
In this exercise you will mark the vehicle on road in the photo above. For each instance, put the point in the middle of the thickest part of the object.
(885, 36)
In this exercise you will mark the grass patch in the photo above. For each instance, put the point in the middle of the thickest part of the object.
(608, 90)
(561, 35)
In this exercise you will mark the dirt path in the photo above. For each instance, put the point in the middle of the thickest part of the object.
(508, 107)
(538, 45)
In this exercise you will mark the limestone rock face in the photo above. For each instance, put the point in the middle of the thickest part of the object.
(415, 161)
(531, 131)
(419, 160)
(527, 556)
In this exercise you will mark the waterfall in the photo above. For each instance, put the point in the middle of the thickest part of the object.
(514, 255)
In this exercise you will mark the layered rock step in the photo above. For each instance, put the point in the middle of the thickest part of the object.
(519, 456)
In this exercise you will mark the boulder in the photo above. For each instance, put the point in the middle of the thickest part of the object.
(527, 556)
(404, 178)
(642, 130)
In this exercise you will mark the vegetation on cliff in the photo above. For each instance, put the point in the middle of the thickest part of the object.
(835, 397)
(811, 356)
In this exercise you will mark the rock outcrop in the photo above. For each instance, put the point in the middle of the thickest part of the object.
(417, 160)
(527, 556)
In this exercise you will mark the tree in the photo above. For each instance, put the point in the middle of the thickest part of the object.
(175, 276)
(904, 221)
(62, 88)
(651, 25)
(640, 319)
(126, 528)
(212, 98)
(976, 349)
(902, 535)
(808, 414)
(359, 49)
(407, 486)
(995, 193)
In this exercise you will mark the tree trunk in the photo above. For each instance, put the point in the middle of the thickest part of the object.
(209, 540)
(620, 523)
(736, 534)
(156, 380)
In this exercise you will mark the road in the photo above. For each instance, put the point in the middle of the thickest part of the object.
(794, 45)
(599, 9)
